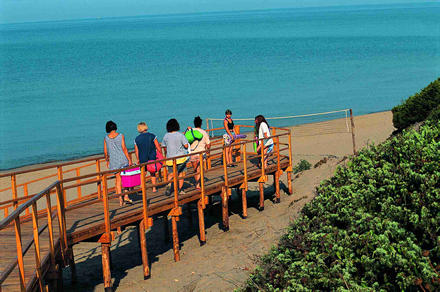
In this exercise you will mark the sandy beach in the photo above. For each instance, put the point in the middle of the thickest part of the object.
(228, 257)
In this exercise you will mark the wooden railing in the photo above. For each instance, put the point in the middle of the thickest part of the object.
(20, 192)
(103, 194)
(22, 248)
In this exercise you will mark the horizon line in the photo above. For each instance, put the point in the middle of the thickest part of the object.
(216, 12)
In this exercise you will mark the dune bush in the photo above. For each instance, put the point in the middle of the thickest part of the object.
(417, 107)
(374, 226)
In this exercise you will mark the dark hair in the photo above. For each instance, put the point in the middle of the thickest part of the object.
(110, 126)
(228, 112)
(173, 125)
(197, 122)
(260, 119)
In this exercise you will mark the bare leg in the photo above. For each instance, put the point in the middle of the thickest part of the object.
(228, 155)
(118, 186)
(153, 181)
(182, 174)
(266, 157)
(195, 165)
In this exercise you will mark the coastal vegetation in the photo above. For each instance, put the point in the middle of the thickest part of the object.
(301, 166)
(373, 226)
(417, 107)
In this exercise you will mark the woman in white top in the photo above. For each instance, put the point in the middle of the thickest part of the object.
(262, 128)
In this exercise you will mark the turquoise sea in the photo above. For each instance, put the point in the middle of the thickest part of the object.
(61, 81)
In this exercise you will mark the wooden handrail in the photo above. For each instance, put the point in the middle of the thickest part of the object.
(6, 221)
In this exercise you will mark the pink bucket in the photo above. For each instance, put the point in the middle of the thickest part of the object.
(131, 177)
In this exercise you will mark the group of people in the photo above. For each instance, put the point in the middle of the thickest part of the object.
(175, 144)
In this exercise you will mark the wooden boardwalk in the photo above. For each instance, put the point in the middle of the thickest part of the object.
(46, 235)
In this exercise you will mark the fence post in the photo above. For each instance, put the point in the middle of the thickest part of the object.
(352, 132)
(105, 246)
(290, 168)
(19, 253)
(78, 181)
(37, 245)
(225, 194)
(14, 190)
(98, 177)
(60, 178)
(175, 213)
(61, 221)
(244, 186)
(26, 193)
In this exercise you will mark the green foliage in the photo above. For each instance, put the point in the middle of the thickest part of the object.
(374, 226)
(417, 107)
(302, 165)
(434, 116)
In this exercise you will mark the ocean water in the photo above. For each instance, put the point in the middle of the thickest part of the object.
(61, 81)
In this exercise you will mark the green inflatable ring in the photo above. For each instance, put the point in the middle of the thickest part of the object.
(193, 135)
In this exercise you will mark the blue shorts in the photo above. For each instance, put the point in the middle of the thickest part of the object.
(269, 148)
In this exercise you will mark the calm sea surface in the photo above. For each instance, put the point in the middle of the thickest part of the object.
(61, 81)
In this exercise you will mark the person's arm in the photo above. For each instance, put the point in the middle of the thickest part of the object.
(156, 143)
(136, 151)
(124, 148)
(184, 141)
(106, 153)
(164, 145)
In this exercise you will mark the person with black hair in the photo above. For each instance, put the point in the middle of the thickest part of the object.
(228, 137)
(263, 131)
(116, 155)
(199, 146)
(146, 148)
(175, 144)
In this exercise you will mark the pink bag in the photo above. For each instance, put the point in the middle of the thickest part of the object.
(152, 168)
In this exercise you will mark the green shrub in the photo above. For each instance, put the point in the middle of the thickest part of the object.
(434, 116)
(417, 107)
(302, 165)
(374, 226)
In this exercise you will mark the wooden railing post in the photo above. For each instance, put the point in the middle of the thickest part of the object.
(201, 204)
(278, 172)
(144, 198)
(175, 213)
(143, 246)
(244, 186)
(50, 228)
(106, 206)
(352, 132)
(60, 178)
(37, 245)
(263, 177)
(202, 179)
(225, 194)
(105, 244)
(98, 177)
(78, 182)
(52, 269)
(237, 147)
(14, 190)
(19, 253)
(26, 193)
(290, 168)
(61, 221)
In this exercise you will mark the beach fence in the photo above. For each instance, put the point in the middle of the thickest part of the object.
(305, 127)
